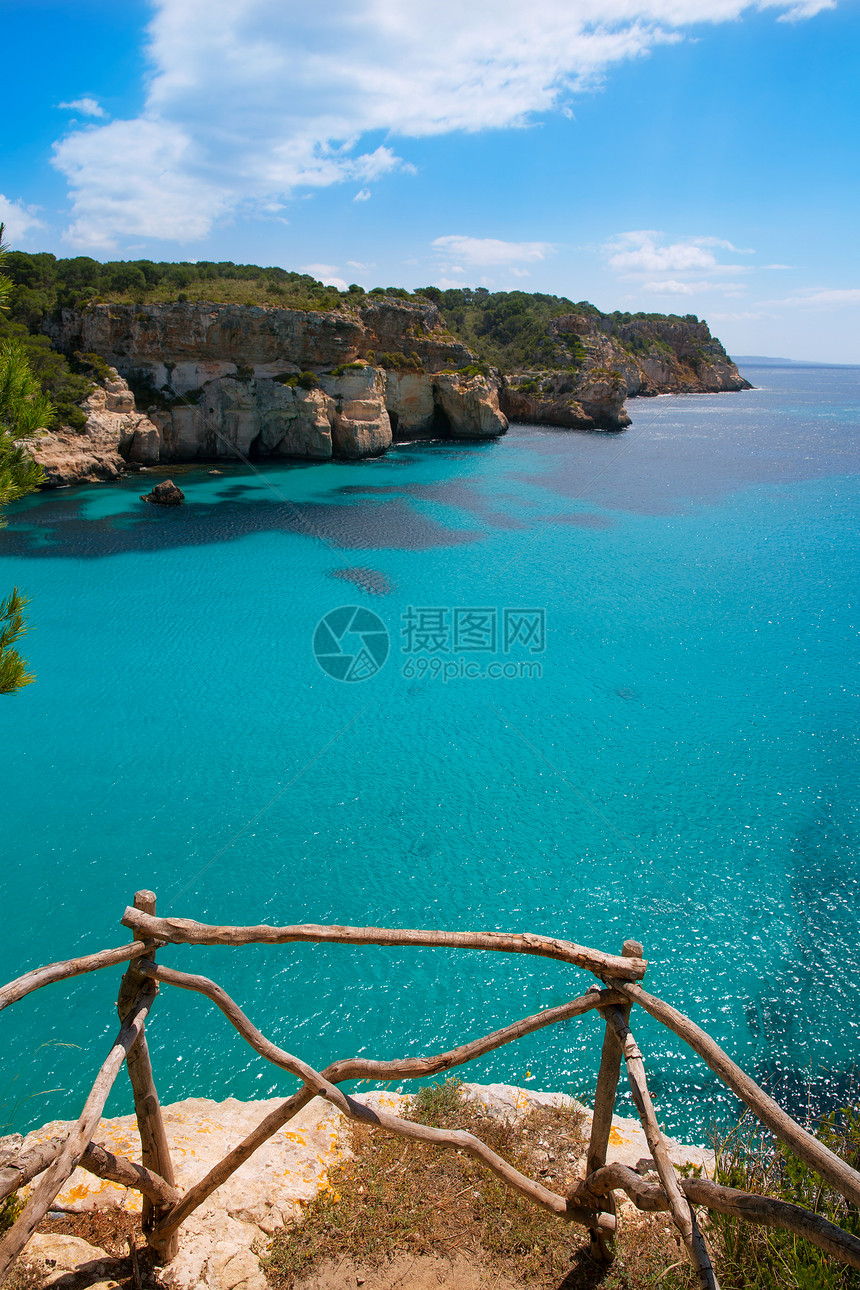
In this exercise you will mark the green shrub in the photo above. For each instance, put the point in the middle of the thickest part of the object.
(751, 1257)
(10, 1208)
(399, 362)
(93, 365)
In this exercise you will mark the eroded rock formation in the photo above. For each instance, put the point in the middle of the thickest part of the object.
(115, 435)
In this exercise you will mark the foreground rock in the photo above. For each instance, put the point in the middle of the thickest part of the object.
(164, 494)
(219, 1243)
(69, 1263)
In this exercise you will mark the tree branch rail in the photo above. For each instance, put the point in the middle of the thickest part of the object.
(590, 1203)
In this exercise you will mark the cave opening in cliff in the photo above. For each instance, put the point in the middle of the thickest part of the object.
(441, 427)
(254, 448)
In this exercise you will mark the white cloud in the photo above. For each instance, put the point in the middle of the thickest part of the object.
(640, 251)
(826, 296)
(248, 102)
(491, 250)
(672, 287)
(363, 195)
(18, 220)
(160, 192)
(686, 267)
(86, 106)
(804, 9)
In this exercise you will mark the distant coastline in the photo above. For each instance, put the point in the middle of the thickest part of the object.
(761, 360)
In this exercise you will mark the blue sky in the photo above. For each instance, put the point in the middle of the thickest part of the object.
(689, 156)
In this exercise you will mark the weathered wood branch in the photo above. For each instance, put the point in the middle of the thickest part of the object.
(34, 980)
(678, 1203)
(602, 1247)
(96, 1160)
(354, 1110)
(185, 931)
(80, 1136)
(16, 1173)
(808, 1148)
(155, 1151)
(775, 1213)
(362, 1068)
(421, 1067)
(119, 1169)
(763, 1210)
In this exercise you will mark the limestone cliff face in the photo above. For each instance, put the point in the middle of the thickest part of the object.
(228, 381)
(654, 355)
(232, 416)
(593, 400)
(470, 404)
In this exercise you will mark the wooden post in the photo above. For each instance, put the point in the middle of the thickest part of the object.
(602, 1245)
(155, 1152)
(682, 1212)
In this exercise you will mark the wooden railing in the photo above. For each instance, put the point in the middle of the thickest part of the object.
(591, 1202)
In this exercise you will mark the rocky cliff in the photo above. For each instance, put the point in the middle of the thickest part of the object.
(601, 360)
(116, 436)
(255, 381)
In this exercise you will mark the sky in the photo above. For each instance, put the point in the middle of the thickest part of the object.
(683, 156)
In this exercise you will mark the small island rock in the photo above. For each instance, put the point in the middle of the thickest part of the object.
(165, 494)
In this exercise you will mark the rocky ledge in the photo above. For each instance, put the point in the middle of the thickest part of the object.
(221, 1241)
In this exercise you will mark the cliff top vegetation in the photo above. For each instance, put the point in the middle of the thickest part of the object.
(506, 328)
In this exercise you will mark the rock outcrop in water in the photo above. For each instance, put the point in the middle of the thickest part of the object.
(164, 494)
(228, 381)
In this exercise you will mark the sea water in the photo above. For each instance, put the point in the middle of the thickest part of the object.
(618, 700)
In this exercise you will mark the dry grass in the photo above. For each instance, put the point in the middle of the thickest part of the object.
(396, 1197)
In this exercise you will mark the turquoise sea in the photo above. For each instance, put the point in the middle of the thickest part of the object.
(683, 770)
